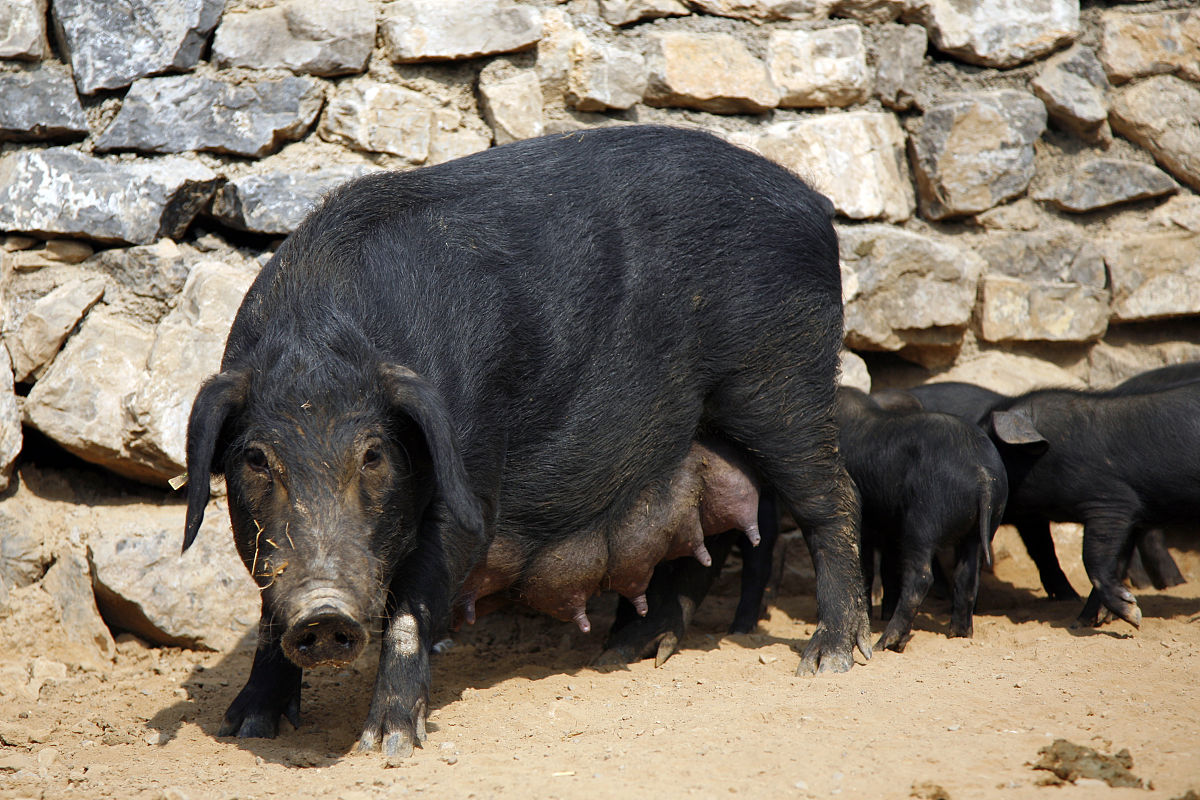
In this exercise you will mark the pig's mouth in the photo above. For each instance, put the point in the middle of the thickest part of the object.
(324, 633)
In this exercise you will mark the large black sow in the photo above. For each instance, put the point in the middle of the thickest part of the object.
(501, 361)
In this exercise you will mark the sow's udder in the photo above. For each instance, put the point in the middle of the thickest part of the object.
(712, 492)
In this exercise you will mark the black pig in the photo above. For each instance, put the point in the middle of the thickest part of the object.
(927, 480)
(502, 361)
(1116, 461)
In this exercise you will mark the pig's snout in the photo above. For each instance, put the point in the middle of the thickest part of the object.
(326, 636)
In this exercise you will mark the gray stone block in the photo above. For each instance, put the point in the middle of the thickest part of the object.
(40, 103)
(113, 43)
(1074, 88)
(441, 30)
(276, 202)
(23, 29)
(179, 113)
(1104, 182)
(997, 33)
(109, 201)
(975, 151)
(1160, 114)
(316, 37)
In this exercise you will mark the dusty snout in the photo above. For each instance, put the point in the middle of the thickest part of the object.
(323, 630)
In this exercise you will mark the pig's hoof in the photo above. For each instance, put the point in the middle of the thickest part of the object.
(828, 651)
(254, 716)
(1061, 590)
(893, 640)
(396, 735)
(668, 645)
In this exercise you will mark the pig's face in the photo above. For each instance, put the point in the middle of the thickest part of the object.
(330, 473)
(324, 505)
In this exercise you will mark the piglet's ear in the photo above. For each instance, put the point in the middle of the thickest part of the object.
(220, 397)
(1016, 428)
(416, 398)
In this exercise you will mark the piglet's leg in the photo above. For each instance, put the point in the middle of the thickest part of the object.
(966, 587)
(916, 578)
(1156, 559)
(1035, 534)
(757, 559)
(1107, 545)
(272, 690)
(675, 591)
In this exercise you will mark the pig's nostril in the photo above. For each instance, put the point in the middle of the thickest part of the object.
(324, 637)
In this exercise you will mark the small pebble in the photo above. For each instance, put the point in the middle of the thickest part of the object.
(47, 756)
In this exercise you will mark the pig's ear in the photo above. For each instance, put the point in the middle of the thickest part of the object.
(413, 396)
(1016, 428)
(219, 397)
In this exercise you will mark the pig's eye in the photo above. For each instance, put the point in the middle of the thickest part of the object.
(256, 459)
(371, 458)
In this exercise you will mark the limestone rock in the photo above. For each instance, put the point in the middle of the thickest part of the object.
(277, 202)
(108, 201)
(899, 60)
(385, 118)
(604, 76)
(997, 33)
(1012, 310)
(23, 559)
(1136, 44)
(1103, 182)
(438, 30)
(79, 402)
(48, 323)
(1154, 275)
(315, 37)
(69, 584)
(511, 101)
(1160, 114)
(870, 12)
(1042, 285)
(155, 271)
(826, 67)
(40, 103)
(707, 71)
(624, 12)
(766, 10)
(10, 423)
(1011, 374)
(203, 599)
(1121, 356)
(179, 113)
(112, 44)
(23, 29)
(187, 350)
(975, 151)
(1045, 256)
(1074, 88)
(856, 158)
(903, 288)
(853, 372)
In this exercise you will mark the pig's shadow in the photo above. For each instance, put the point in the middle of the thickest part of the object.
(511, 643)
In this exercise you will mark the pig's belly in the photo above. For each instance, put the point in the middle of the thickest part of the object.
(712, 492)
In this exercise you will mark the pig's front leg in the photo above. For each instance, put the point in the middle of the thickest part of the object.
(272, 690)
(396, 720)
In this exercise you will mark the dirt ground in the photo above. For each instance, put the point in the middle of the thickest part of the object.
(518, 711)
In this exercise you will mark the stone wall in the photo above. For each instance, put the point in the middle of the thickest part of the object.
(1015, 180)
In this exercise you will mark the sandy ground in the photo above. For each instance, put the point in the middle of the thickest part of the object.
(518, 711)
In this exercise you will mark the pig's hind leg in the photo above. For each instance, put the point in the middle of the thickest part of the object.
(787, 428)
(273, 690)
(966, 586)
(919, 538)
